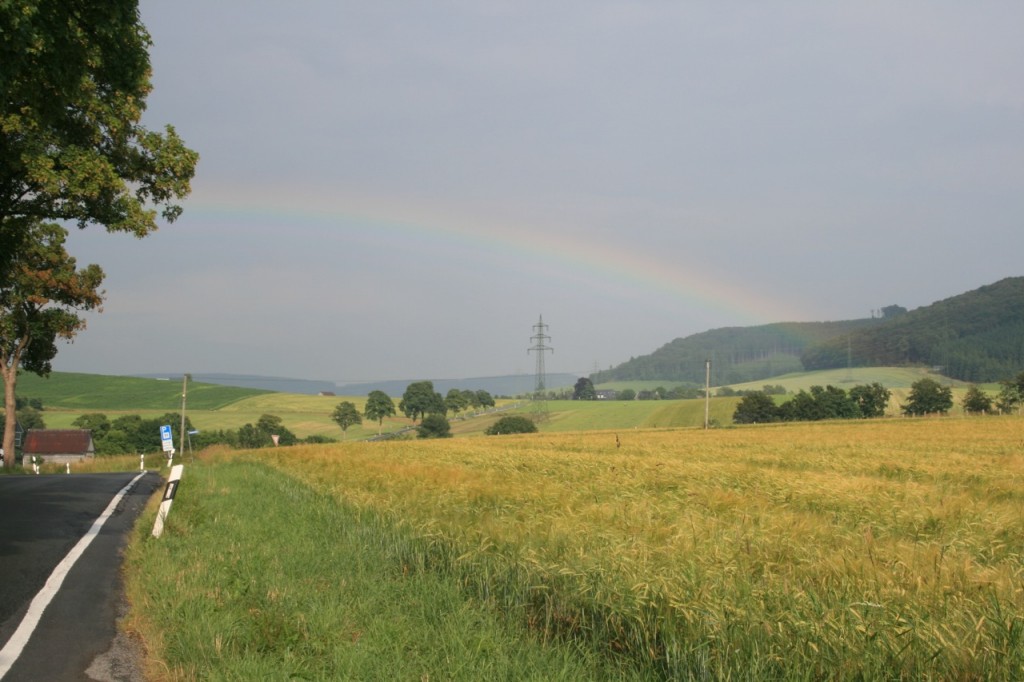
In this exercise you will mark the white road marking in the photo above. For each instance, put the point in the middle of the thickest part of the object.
(16, 644)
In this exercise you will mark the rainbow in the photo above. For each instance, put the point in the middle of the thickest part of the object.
(599, 264)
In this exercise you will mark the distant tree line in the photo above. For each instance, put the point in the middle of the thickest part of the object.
(830, 402)
(133, 434)
(927, 396)
(584, 390)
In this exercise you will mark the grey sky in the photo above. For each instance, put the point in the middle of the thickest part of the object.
(399, 189)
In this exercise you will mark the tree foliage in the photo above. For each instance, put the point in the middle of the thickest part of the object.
(928, 396)
(513, 423)
(584, 389)
(976, 401)
(828, 402)
(1011, 394)
(756, 408)
(345, 415)
(484, 399)
(434, 426)
(420, 399)
(871, 399)
(378, 406)
(74, 77)
(456, 401)
(130, 434)
(41, 293)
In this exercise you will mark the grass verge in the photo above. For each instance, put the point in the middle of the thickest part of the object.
(259, 577)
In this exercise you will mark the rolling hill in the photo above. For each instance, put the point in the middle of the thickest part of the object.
(977, 336)
(737, 354)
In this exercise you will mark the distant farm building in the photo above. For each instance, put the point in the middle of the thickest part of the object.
(325, 393)
(57, 446)
(606, 394)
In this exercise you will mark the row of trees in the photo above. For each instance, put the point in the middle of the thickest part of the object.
(584, 390)
(1008, 401)
(420, 401)
(927, 396)
(132, 434)
(830, 402)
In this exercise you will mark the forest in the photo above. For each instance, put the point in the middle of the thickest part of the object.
(977, 336)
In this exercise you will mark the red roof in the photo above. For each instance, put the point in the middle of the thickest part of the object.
(58, 441)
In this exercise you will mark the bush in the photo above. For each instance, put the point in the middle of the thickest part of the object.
(434, 426)
(511, 424)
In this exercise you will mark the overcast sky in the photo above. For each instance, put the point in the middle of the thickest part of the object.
(400, 189)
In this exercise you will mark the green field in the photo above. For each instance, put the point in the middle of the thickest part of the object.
(211, 407)
(96, 392)
(885, 549)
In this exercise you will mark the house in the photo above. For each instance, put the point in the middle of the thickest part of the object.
(58, 446)
(606, 394)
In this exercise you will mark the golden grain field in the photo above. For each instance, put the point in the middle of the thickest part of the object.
(892, 547)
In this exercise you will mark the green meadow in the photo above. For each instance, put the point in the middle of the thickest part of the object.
(885, 549)
(95, 392)
(67, 396)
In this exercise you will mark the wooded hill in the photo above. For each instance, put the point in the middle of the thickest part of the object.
(977, 336)
(737, 354)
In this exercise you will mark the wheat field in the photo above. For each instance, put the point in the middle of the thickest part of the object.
(888, 548)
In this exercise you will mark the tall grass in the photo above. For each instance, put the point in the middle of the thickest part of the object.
(259, 577)
(830, 550)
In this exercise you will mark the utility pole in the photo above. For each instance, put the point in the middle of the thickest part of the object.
(540, 403)
(181, 433)
(707, 394)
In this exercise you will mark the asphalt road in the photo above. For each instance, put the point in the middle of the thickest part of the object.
(41, 519)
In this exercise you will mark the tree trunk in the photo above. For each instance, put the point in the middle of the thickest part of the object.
(10, 375)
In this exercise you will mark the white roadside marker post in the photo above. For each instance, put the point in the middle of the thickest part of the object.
(165, 505)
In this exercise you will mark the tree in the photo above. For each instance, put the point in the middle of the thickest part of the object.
(484, 399)
(976, 401)
(1009, 397)
(75, 78)
(584, 390)
(928, 396)
(455, 401)
(871, 399)
(420, 399)
(627, 394)
(378, 406)
(512, 423)
(96, 422)
(472, 403)
(756, 408)
(801, 407)
(833, 403)
(434, 426)
(345, 415)
(41, 292)
(1011, 394)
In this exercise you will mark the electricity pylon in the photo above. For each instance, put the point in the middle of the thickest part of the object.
(539, 339)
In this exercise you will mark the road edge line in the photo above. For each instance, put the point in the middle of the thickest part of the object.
(16, 644)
